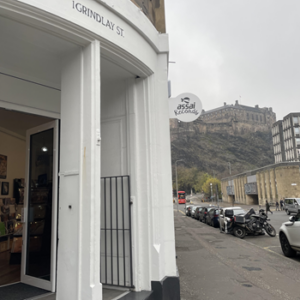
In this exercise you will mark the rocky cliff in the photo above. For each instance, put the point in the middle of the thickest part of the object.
(211, 152)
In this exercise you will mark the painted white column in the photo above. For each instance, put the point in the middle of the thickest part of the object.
(78, 268)
(151, 177)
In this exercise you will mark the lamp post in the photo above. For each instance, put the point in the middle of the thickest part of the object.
(176, 180)
(229, 166)
(210, 191)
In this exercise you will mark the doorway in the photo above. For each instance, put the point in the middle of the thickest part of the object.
(28, 211)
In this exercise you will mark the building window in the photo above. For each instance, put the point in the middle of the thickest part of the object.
(298, 142)
(295, 121)
(256, 117)
(247, 116)
(252, 117)
(297, 130)
(260, 118)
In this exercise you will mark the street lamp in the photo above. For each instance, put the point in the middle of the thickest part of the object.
(229, 166)
(176, 180)
(210, 191)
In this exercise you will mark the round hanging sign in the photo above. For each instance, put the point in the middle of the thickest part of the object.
(186, 107)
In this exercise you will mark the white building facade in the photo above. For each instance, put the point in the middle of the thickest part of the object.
(84, 121)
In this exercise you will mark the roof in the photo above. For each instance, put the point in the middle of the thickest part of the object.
(253, 172)
(236, 106)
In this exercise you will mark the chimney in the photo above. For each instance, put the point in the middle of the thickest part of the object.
(256, 106)
(236, 102)
(224, 103)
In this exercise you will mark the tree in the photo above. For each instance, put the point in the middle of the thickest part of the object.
(201, 179)
(186, 178)
(206, 186)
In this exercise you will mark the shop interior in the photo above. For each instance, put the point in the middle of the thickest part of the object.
(13, 127)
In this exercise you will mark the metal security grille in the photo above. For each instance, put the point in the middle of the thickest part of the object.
(116, 249)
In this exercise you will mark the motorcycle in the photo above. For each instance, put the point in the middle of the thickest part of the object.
(251, 223)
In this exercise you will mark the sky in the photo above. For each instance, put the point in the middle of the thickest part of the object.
(227, 50)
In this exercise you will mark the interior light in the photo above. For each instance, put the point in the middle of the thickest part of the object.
(45, 149)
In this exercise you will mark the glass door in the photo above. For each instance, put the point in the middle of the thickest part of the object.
(40, 207)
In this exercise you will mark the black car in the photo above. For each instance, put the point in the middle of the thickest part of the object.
(203, 213)
(212, 217)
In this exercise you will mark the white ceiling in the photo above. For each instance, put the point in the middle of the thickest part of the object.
(32, 54)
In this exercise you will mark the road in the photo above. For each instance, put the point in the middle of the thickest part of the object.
(265, 242)
(219, 266)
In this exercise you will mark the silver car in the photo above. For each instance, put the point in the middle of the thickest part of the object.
(291, 205)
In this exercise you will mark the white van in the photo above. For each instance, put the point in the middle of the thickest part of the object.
(291, 205)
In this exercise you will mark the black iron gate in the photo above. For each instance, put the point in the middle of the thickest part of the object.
(116, 246)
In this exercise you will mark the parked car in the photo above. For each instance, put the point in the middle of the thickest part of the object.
(188, 210)
(193, 211)
(289, 236)
(291, 205)
(196, 215)
(236, 211)
(203, 212)
(212, 217)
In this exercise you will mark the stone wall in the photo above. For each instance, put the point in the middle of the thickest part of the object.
(234, 120)
(273, 183)
(155, 12)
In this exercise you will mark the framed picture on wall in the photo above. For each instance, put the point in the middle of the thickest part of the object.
(3, 166)
(5, 188)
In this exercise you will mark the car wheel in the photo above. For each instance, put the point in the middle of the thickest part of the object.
(287, 212)
(286, 247)
(239, 232)
(212, 223)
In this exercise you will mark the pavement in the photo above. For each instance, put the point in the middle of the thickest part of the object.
(217, 266)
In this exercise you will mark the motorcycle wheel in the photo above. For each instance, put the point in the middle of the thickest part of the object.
(239, 232)
(270, 230)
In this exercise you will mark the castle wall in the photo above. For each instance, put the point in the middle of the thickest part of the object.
(234, 120)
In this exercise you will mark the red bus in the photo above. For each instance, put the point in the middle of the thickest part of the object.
(181, 197)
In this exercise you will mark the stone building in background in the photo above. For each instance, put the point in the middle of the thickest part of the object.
(270, 183)
(155, 12)
(234, 119)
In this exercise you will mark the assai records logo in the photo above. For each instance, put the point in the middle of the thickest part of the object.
(185, 107)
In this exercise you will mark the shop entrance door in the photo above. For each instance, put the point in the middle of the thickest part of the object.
(40, 207)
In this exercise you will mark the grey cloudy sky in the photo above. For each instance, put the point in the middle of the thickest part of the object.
(225, 49)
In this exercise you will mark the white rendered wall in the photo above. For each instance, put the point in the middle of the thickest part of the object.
(113, 129)
(150, 168)
(78, 267)
(29, 97)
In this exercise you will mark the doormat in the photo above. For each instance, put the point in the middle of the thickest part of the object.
(20, 291)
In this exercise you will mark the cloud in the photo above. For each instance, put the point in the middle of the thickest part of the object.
(224, 49)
